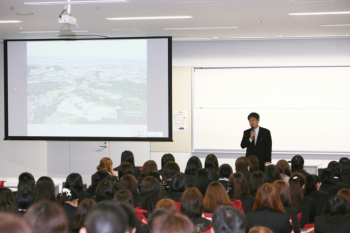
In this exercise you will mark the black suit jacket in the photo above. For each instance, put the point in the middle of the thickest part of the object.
(278, 222)
(338, 225)
(263, 146)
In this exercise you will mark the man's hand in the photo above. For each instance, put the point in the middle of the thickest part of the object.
(266, 164)
(252, 135)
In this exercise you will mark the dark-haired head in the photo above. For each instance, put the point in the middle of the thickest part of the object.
(106, 217)
(166, 158)
(239, 186)
(202, 180)
(283, 167)
(148, 166)
(227, 219)
(254, 163)
(125, 168)
(272, 174)
(256, 179)
(284, 192)
(267, 195)
(254, 115)
(297, 183)
(123, 196)
(345, 192)
(327, 176)
(98, 177)
(173, 223)
(46, 217)
(70, 196)
(297, 163)
(25, 179)
(335, 167)
(313, 182)
(7, 200)
(150, 193)
(168, 204)
(74, 181)
(344, 163)
(45, 189)
(169, 170)
(192, 203)
(211, 162)
(128, 182)
(154, 215)
(225, 171)
(130, 216)
(215, 195)
(83, 210)
(25, 197)
(127, 156)
(335, 208)
(105, 191)
(11, 223)
(242, 163)
(178, 183)
(193, 164)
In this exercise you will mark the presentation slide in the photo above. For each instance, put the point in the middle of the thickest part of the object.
(88, 88)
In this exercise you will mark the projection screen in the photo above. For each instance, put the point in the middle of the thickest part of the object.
(90, 89)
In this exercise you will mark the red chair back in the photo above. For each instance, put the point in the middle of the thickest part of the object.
(207, 230)
(140, 215)
(178, 204)
(237, 204)
(208, 215)
(1, 184)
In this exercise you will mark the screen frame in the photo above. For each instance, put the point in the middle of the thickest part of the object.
(169, 138)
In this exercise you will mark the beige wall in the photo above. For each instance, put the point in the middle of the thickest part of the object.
(181, 101)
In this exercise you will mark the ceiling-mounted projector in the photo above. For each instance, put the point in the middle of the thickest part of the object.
(67, 19)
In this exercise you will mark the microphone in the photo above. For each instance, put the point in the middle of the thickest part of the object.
(252, 129)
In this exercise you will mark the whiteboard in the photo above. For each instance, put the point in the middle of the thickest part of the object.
(305, 108)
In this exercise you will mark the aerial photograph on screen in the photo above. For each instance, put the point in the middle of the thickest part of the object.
(87, 82)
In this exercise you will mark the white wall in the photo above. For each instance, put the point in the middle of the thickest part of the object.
(41, 158)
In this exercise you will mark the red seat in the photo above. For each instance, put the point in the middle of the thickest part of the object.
(237, 204)
(309, 228)
(140, 215)
(178, 204)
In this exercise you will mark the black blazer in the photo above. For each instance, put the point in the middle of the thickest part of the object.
(278, 222)
(320, 199)
(293, 214)
(263, 146)
(308, 210)
(324, 226)
(346, 178)
(246, 174)
(176, 196)
(331, 189)
(247, 203)
(224, 183)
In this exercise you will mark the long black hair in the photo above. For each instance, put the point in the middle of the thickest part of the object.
(193, 164)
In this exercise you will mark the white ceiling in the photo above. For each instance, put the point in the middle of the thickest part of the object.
(255, 19)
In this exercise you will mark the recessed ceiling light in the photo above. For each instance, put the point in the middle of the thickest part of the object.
(151, 17)
(73, 2)
(25, 13)
(10, 21)
(201, 28)
(323, 13)
(335, 25)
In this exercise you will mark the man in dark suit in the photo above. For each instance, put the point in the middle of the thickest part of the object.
(258, 141)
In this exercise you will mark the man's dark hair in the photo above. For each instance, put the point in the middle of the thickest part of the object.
(225, 171)
(255, 115)
(106, 217)
(166, 158)
(130, 215)
(227, 219)
(127, 156)
(26, 179)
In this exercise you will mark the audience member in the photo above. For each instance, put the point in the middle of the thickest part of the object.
(211, 163)
(256, 180)
(132, 223)
(215, 195)
(239, 190)
(7, 201)
(69, 203)
(106, 164)
(284, 192)
(11, 223)
(106, 217)
(168, 204)
(192, 206)
(46, 217)
(345, 193)
(284, 169)
(225, 171)
(312, 190)
(128, 182)
(95, 180)
(177, 186)
(242, 165)
(25, 179)
(147, 227)
(272, 174)
(297, 164)
(260, 230)
(328, 183)
(123, 196)
(299, 202)
(345, 169)
(45, 189)
(335, 217)
(80, 215)
(165, 159)
(338, 180)
(254, 163)
(268, 211)
(125, 168)
(202, 180)
(193, 164)
(104, 191)
(169, 170)
(150, 193)
(227, 219)
(25, 197)
(147, 167)
(128, 156)
(172, 223)
(75, 182)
